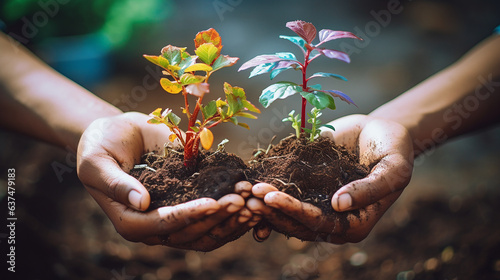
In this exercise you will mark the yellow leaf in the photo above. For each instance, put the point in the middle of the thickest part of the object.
(219, 103)
(169, 86)
(198, 67)
(206, 138)
(172, 137)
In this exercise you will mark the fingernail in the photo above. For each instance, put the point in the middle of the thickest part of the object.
(344, 201)
(134, 198)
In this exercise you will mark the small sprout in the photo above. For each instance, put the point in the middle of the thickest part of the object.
(144, 166)
(188, 75)
(276, 63)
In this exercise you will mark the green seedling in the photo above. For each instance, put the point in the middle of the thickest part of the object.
(276, 63)
(188, 75)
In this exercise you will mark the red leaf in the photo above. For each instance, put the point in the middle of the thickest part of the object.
(208, 36)
(326, 35)
(304, 29)
(334, 54)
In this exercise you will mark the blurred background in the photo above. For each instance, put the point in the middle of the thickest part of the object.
(445, 225)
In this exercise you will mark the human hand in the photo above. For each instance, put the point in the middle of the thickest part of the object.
(110, 147)
(385, 147)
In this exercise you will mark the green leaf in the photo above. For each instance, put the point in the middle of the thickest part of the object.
(154, 121)
(323, 74)
(261, 69)
(198, 67)
(245, 115)
(209, 110)
(280, 90)
(189, 78)
(244, 125)
(185, 63)
(158, 60)
(297, 40)
(173, 118)
(249, 106)
(223, 61)
(157, 113)
(173, 54)
(207, 52)
(329, 126)
(319, 99)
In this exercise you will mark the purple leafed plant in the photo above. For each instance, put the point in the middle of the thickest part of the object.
(281, 61)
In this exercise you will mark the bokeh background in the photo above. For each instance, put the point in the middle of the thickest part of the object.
(445, 225)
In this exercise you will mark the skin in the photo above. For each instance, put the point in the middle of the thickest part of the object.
(456, 101)
(109, 149)
(61, 112)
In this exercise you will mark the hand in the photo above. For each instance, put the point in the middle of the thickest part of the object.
(108, 150)
(385, 147)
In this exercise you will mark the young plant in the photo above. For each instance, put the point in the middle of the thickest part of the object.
(189, 74)
(276, 63)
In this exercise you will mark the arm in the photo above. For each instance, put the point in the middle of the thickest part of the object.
(458, 100)
(38, 101)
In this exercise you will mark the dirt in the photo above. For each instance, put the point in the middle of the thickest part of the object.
(169, 182)
(309, 171)
(64, 234)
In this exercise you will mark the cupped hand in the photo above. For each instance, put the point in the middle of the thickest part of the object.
(385, 147)
(110, 147)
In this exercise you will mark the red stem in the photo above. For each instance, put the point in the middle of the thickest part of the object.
(304, 88)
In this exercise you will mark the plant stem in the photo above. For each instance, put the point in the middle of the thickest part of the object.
(304, 88)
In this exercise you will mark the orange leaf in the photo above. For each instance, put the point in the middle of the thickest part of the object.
(208, 36)
(172, 137)
(206, 138)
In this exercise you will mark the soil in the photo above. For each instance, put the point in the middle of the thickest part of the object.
(169, 182)
(309, 171)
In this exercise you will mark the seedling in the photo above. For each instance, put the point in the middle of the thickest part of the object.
(276, 63)
(183, 76)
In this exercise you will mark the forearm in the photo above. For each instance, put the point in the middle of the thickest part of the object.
(462, 98)
(39, 102)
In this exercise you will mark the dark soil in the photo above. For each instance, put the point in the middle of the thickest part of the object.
(311, 172)
(172, 183)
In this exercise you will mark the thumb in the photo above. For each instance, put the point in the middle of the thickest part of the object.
(106, 176)
(392, 174)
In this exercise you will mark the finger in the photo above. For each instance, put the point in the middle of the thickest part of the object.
(258, 207)
(243, 188)
(137, 226)
(229, 205)
(389, 175)
(261, 189)
(105, 175)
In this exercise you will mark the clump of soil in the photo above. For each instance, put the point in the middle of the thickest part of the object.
(309, 171)
(169, 182)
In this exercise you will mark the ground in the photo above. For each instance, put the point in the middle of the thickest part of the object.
(432, 232)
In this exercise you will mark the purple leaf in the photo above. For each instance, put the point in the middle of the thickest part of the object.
(341, 95)
(326, 35)
(334, 54)
(260, 59)
(304, 29)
